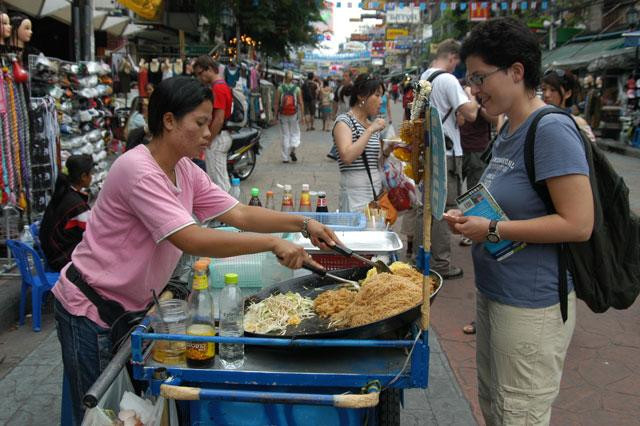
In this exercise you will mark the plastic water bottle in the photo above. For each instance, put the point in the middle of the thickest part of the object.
(287, 199)
(231, 322)
(27, 238)
(235, 191)
(270, 204)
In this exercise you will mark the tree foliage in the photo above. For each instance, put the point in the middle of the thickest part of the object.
(279, 25)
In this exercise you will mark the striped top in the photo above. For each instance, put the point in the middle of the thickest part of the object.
(372, 150)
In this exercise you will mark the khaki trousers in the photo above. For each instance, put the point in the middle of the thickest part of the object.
(520, 354)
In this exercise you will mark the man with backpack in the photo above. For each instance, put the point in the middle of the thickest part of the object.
(288, 103)
(207, 71)
(453, 103)
(309, 95)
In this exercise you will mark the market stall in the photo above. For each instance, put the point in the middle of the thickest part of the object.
(315, 364)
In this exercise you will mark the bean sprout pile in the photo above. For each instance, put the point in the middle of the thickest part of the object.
(276, 312)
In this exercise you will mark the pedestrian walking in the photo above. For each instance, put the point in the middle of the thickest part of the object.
(451, 101)
(289, 108)
(326, 96)
(341, 104)
(521, 338)
(309, 96)
(207, 71)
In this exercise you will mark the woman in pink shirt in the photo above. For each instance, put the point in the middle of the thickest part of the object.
(143, 221)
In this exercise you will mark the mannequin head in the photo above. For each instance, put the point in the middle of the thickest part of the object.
(21, 31)
(5, 27)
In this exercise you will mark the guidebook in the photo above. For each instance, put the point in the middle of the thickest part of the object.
(478, 201)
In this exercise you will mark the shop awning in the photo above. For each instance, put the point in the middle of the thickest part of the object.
(587, 54)
(115, 25)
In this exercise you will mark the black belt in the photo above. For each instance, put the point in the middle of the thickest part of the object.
(108, 310)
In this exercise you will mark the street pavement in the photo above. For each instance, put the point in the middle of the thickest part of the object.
(601, 382)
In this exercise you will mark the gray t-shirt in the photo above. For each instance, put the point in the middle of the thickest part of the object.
(528, 278)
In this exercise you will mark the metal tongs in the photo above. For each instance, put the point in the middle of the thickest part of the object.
(347, 252)
(323, 273)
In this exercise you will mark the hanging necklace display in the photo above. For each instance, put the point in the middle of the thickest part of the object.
(6, 133)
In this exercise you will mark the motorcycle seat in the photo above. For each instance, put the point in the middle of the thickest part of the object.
(246, 133)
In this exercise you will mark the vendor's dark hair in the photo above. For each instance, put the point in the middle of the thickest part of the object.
(562, 81)
(503, 42)
(364, 85)
(76, 166)
(177, 95)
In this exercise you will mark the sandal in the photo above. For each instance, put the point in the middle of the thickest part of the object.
(469, 328)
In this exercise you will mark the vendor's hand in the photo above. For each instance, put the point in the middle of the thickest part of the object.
(453, 217)
(291, 255)
(321, 235)
(378, 125)
(475, 228)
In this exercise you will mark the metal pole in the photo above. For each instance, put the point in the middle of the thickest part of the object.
(77, 36)
(93, 395)
(87, 31)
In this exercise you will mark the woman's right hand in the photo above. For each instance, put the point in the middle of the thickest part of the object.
(291, 255)
(452, 217)
(378, 125)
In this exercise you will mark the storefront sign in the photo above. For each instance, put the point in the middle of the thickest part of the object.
(360, 37)
(393, 33)
(338, 57)
(479, 13)
(406, 15)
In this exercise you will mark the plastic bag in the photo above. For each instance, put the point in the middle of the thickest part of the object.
(109, 403)
(389, 132)
(402, 190)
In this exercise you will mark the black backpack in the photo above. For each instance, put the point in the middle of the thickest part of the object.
(606, 268)
(309, 91)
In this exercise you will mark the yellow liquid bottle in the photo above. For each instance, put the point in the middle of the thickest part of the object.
(200, 354)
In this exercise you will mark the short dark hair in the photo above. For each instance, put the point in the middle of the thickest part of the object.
(77, 165)
(310, 75)
(503, 42)
(177, 95)
(562, 81)
(207, 62)
(364, 85)
(447, 47)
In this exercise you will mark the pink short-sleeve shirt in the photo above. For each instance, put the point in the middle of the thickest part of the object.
(124, 253)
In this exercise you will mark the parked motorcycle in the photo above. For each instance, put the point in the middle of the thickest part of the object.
(242, 156)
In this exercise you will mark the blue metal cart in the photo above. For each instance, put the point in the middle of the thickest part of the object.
(291, 381)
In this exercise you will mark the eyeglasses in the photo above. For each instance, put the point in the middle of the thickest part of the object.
(478, 79)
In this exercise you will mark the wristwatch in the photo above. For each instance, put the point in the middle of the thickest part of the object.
(305, 228)
(493, 236)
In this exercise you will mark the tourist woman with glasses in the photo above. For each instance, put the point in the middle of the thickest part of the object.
(522, 338)
(560, 89)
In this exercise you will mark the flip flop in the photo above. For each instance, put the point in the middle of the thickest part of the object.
(469, 328)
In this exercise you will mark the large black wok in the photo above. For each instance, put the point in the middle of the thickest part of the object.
(315, 328)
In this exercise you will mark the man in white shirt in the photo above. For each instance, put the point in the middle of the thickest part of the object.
(455, 106)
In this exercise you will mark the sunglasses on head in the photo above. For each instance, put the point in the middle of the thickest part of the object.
(557, 71)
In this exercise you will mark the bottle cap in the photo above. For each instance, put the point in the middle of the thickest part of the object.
(322, 194)
(206, 260)
(305, 187)
(287, 187)
(200, 265)
(269, 193)
(231, 278)
(235, 181)
(255, 192)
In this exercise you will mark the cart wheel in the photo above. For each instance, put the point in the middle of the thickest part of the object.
(388, 409)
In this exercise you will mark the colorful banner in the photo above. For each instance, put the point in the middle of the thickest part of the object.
(338, 57)
(406, 15)
(148, 9)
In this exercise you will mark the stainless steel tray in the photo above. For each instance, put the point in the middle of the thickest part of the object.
(374, 242)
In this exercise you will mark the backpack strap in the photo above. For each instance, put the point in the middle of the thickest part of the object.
(543, 192)
(430, 79)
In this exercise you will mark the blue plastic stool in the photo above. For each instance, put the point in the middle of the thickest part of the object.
(635, 141)
(35, 233)
(40, 283)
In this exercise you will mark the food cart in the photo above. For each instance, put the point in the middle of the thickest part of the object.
(313, 375)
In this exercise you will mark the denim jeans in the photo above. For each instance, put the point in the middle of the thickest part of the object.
(86, 351)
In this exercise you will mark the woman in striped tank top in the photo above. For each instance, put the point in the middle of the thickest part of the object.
(355, 137)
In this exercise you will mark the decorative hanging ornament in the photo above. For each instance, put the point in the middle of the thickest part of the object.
(19, 74)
